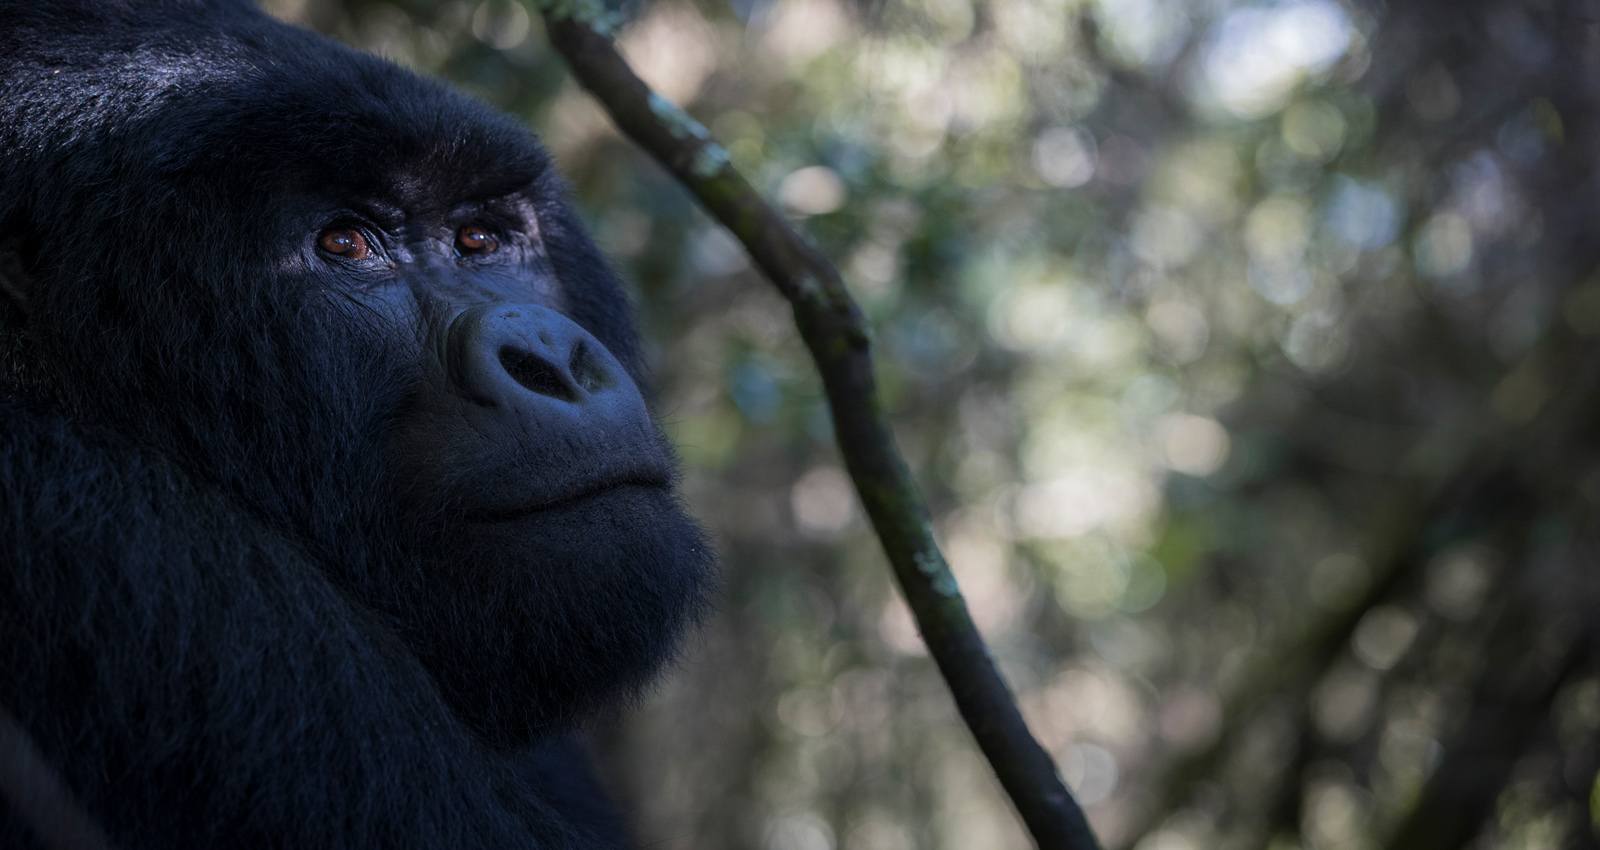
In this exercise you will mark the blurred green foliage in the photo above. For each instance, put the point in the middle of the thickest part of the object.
(1240, 347)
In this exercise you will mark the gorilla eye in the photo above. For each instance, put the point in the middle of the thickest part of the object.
(473, 239)
(345, 242)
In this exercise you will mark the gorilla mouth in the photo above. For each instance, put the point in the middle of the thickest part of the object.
(568, 496)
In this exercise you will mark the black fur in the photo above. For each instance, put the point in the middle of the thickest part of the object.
(295, 551)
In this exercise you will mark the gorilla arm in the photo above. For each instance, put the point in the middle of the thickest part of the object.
(191, 674)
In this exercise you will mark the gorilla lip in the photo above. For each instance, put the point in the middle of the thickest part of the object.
(647, 480)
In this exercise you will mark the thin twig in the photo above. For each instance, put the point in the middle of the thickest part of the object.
(833, 329)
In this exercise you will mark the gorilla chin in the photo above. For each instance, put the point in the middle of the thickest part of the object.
(571, 608)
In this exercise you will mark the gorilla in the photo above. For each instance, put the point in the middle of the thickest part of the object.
(330, 505)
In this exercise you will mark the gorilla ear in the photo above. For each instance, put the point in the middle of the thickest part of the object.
(16, 285)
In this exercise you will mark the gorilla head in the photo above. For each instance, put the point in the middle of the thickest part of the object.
(360, 308)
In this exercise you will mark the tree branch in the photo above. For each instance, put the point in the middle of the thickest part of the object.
(834, 330)
(1512, 696)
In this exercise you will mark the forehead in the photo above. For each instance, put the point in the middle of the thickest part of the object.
(310, 114)
(228, 118)
(368, 127)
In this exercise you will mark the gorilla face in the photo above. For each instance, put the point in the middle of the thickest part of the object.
(362, 307)
(545, 550)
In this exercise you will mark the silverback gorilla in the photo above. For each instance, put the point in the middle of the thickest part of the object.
(329, 503)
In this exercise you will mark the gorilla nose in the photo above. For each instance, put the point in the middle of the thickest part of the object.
(544, 373)
(500, 354)
(524, 391)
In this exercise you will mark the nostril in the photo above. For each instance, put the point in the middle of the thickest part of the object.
(537, 374)
(585, 368)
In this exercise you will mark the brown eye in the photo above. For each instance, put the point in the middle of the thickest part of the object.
(345, 242)
(473, 239)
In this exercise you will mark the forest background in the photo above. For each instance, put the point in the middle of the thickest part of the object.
(1246, 352)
